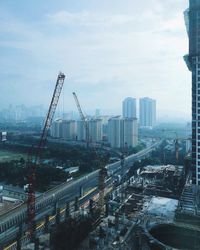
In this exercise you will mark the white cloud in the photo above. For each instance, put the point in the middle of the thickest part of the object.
(106, 53)
(89, 18)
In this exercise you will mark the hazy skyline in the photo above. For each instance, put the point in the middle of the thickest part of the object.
(108, 50)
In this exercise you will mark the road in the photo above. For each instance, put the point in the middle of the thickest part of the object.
(10, 221)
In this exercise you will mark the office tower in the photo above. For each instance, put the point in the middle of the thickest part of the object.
(56, 129)
(129, 108)
(95, 130)
(69, 129)
(147, 112)
(192, 21)
(81, 131)
(129, 132)
(114, 132)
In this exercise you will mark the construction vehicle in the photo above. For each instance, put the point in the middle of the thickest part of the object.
(35, 152)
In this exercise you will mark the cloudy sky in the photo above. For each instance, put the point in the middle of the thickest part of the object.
(108, 49)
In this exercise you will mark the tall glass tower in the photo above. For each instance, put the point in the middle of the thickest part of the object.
(192, 21)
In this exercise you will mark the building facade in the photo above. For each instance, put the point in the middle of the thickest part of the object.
(95, 130)
(122, 132)
(192, 21)
(114, 132)
(81, 135)
(69, 129)
(147, 112)
(129, 108)
(129, 129)
(56, 129)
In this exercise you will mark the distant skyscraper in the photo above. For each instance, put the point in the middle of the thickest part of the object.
(192, 21)
(129, 108)
(114, 132)
(147, 112)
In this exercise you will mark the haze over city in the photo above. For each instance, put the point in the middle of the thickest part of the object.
(108, 50)
(100, 125)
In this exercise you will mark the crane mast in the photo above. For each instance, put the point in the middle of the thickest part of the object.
(103, 171)
(34, 154)
(83, 118)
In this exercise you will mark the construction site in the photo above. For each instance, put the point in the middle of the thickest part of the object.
(117, 210)
(139, 213)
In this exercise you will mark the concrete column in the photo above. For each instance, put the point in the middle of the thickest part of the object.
(107, 208)
(46, 225)
(33, 237)
(58, 216)
(19, 236)
(76, 204)
(81, 191)
(116, 220)
(36, 244)
(67, 212)
(91, 207)
(55, 207)
(19, 244)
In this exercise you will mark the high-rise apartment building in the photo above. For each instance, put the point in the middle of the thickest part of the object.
(147, 112)
(129, 136)
(65, 129)
(129, 108)
(122, 133)
(192, 21)
(56, 129)
(81, 135)
(69, 129)
(114, 132)
(95, 130)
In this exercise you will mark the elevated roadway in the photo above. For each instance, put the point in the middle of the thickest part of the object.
(10, 221)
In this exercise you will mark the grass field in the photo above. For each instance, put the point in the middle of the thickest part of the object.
(9, 155)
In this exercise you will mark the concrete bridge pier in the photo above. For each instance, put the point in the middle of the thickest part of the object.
(67, 212)
(36, 244)
(46, 224)
(19, 236)
(91, 204)
(58, 216)
(81, 191)
(76, 204)
(55, 207)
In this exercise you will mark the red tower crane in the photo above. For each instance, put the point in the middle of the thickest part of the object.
(34, 154)
(83, 118)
